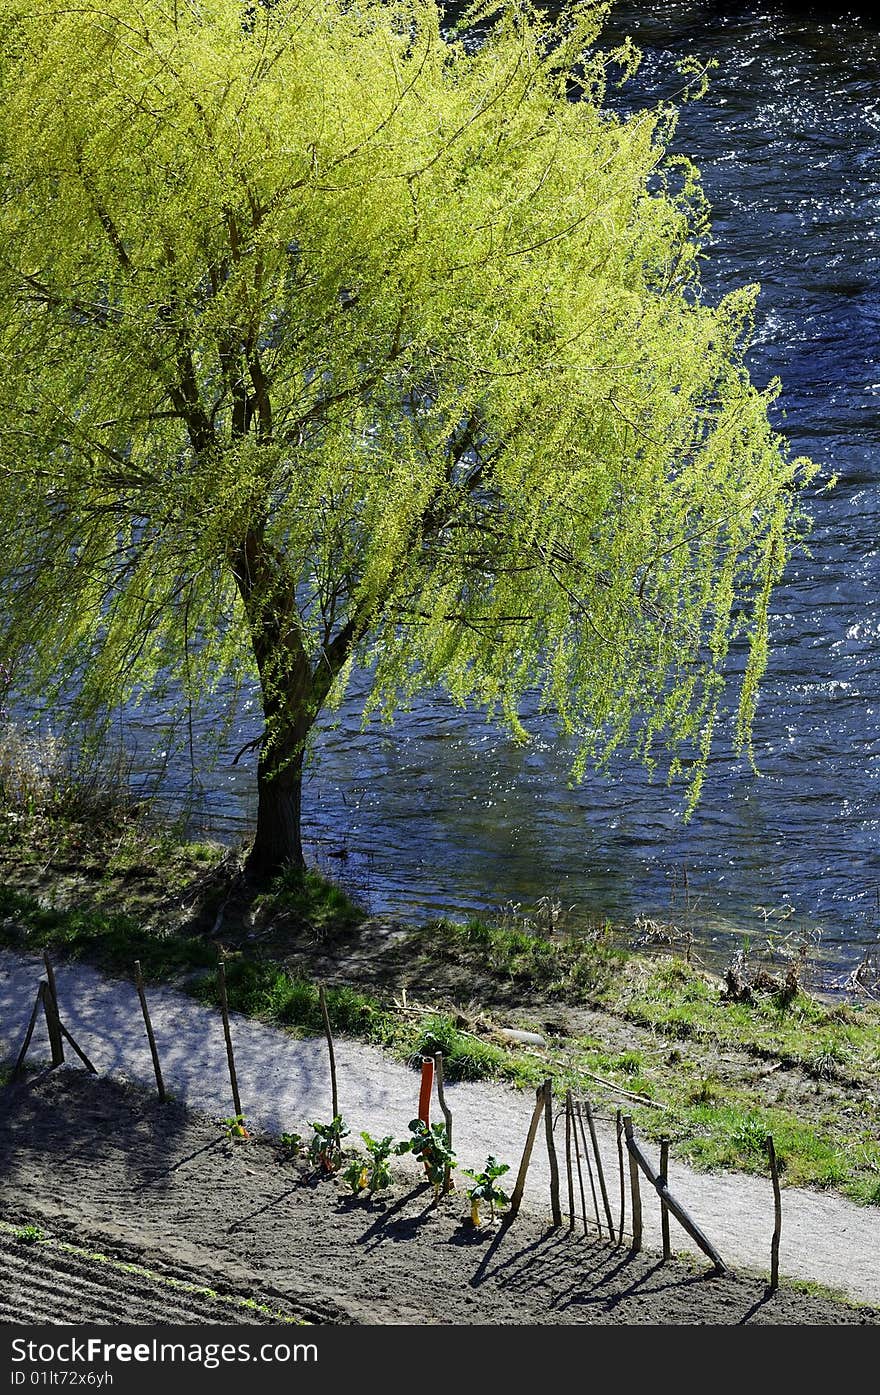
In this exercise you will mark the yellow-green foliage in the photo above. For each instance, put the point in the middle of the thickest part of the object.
(327, 336)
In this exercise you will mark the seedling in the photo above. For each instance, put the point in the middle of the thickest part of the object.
(29, 1234)
(325, 1149)
(431, 1144)
(235, 1126)
(291, 1143)
(484, 1190)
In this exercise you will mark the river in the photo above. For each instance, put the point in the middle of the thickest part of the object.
(441, 813)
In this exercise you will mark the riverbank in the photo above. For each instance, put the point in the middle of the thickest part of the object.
(715, 1065)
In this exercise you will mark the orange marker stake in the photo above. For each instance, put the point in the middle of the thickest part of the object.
(425, 1091)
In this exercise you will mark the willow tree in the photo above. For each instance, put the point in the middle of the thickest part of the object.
(329, 338)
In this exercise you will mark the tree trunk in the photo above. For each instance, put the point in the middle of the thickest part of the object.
(278, 840)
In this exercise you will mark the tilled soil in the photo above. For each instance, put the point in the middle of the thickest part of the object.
(102, 1167)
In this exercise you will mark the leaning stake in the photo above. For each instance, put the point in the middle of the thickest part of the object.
(589, 1169)
(224, 1007)
(600, 1171)
(517, 1194)
(139, 980)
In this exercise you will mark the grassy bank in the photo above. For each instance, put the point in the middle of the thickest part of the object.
(714, 1066)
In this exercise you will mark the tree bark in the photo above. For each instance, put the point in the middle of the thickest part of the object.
(278, 839)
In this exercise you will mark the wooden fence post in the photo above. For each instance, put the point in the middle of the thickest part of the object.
(569, 1111)
(622, 1181)
(777, 1215)
(334, 1094)
(664, 1209)
(139, 981)
(517, 1194)
(53, 1020)
(224, 1006)
(555, 1208)
(634, 1189)
(589, 1168)
(447, 1115)
(638, 1160)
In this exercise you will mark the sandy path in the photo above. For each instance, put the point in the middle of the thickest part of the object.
(284, 1084)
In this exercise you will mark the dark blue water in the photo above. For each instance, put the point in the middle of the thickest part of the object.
(443, 813)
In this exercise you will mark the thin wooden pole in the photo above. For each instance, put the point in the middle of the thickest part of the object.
(664, 1209)
(224, 1007)
(600, 1171)
(569, 1111)
(38, 1003)
(139, 980)
(634, 1188)
(447, 1115)
(77, 1048)
(53, 1021)
(555, 1208)
(322, 998)
(622, 1178)
(577, 1154)
(639, 1160)
(777, 1215)
(589, 1168)
(517, 1195)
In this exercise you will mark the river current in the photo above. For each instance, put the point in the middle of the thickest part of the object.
(442, 813)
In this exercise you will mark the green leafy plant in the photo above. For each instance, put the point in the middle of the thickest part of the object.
(291, 1144)
(235, 1126)
(373, 1173)
(29, 1234)
(430, 1143)
(325, 1149)
(485, 1192)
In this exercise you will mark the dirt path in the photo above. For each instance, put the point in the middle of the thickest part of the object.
(285, 1084)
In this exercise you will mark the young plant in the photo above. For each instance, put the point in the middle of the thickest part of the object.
(291, 1144)
(373, 1173)
(235, 1126)
(325, 1149)
(485, 1191)
(430, 1143)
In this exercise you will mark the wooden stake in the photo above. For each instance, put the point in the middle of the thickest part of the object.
(53, 1021)
(577, 1154)
(777, 1215)
(139, 980)
(224, 1007)
(637, 1159)
(622, 1179)
(664, 1209)
(517, 1195)
(322, 996)
(447, 1115)
(600, 1171)
(78, 1049)
(555, 1208)
(589, 1170)
(569, 1112)
(634, 1188)
(38, 1003)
